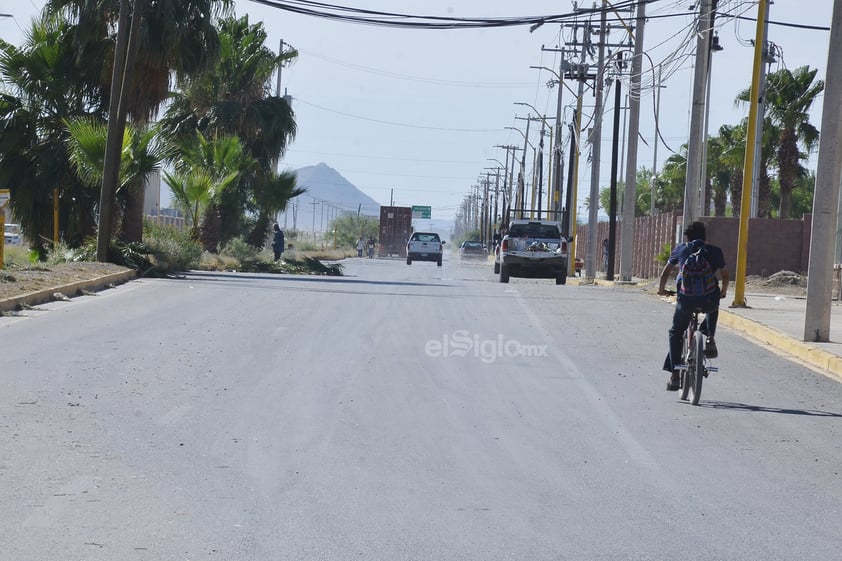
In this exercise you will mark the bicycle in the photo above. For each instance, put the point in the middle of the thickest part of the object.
(693, 369)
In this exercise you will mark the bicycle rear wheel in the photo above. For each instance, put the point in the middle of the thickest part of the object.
(686, 357)
(698, 367)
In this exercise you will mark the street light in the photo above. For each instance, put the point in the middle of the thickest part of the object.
(540, 163)
(522, 134)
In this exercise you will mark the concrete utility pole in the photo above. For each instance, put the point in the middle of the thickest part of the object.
(596, 153)
(826, 197)
(580, 71)
(695, 144)
(557, 156)
(655, 147)
(748, 169)
(761, 112)
(521, 184)
(627, 249)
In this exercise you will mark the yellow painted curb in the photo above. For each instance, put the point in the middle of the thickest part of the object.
(46, 295)
(814, 356)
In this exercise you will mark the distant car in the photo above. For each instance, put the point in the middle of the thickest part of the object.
(424, 246)
(11, 234)
(472, 250)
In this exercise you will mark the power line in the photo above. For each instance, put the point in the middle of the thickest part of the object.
(299, 100)
(392, 19)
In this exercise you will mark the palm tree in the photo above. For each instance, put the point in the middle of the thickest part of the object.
(204, 171)
(671, 182)
(177, 38)
(790, 94)
(233, 98)
(141, 155)
(272, 196)
(43, 87)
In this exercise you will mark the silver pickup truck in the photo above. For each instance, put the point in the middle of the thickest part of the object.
(533, 249)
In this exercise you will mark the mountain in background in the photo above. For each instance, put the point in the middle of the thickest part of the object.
(329, 195)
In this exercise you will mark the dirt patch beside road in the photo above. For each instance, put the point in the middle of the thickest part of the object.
(17, 281)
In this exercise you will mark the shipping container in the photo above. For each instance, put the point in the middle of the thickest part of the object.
(395, 229)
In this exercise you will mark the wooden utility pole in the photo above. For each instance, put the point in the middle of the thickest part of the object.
(125, 52)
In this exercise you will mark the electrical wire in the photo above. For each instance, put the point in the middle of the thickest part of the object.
(391, 19)
(409, 125)
(436, 81)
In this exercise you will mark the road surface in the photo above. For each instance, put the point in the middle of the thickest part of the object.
(400, 413)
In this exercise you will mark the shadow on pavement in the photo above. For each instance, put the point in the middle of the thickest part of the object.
(232, 277)
(763, 409)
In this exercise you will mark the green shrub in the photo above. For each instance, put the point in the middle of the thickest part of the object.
(172, 250)
(238, 249)
(664, 255)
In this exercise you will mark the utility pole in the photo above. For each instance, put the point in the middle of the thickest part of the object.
(612, 205)
(557, 155)
(507, 190)
(761, 111)
(521, 187)
(568, 201)
(826, 197)
(596, 153)
(695, 144)
(125, 52)
(627, 251)
(280, 67)
(580, 72)
(742, 240)
(657, 141)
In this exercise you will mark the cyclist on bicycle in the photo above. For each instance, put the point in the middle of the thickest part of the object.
(685, 305)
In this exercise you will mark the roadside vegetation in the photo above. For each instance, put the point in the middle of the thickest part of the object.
(167, 251)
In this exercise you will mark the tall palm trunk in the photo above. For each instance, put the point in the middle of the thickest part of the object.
(736, 192)
(764, 194)
(788, 158)
(720, 199)
(132, 226)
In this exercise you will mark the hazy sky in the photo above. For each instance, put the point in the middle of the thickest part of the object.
(416, 114)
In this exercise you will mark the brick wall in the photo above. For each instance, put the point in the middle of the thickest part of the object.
(773, 245)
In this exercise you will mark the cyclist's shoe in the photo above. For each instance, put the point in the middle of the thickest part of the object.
(710, 348)
(674, 383)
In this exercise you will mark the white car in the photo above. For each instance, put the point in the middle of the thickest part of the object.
(11, 234)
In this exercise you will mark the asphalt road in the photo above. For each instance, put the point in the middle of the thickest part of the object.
(400, 413)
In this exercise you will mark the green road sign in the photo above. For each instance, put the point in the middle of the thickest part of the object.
(421, 212)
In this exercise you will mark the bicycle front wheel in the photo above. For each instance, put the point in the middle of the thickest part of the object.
(698, 366)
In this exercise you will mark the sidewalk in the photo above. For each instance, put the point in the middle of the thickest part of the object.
(778, 321)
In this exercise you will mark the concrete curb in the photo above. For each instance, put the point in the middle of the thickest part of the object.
(829, 363)
(70, 290)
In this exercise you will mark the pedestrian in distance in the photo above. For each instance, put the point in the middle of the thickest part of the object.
(371, 243)
(277, 241)
(701, 267)
(360, 247)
